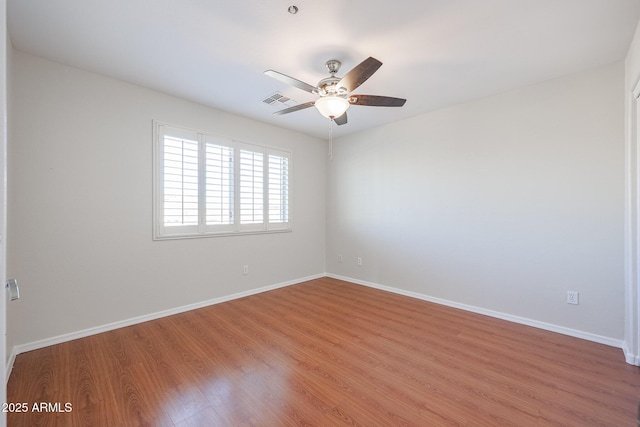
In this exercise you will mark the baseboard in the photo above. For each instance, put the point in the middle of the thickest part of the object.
(516, 319)
(629, 357)
(12, 359)
(23, 348)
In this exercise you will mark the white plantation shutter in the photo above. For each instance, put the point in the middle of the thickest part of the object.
(251, 192)
(180, 182)
(206, 185)
(219, 183)
(177, 189)
(278, 166)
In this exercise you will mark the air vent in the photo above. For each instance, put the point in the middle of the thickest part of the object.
(279, 100)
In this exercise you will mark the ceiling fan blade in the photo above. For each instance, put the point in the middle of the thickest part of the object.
(376, 101)
(295, 108)
(290, 81)
(360, 74)
(342, 120)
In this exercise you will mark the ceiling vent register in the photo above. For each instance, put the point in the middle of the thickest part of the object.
(278, 100)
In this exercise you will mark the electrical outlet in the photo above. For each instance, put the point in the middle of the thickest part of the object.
(245, 269)
(359, 260)
(339, 258)
(573, 297)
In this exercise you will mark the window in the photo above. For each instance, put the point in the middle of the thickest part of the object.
(206, 185)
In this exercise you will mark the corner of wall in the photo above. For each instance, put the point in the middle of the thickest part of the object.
(630, 358)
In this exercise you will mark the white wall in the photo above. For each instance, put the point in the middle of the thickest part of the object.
(503, 203)
(80, 206)
(632, 221)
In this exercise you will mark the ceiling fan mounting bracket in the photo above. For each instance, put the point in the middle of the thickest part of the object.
(333, 65)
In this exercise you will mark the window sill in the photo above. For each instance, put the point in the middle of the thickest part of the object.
(221, 234)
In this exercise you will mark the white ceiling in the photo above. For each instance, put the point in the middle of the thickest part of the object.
(435, 53)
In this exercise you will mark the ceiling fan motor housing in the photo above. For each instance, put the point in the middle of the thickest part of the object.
(329, 86)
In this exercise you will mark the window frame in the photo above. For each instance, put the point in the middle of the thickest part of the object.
(161, 231)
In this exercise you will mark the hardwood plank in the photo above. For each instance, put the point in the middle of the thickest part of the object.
(327, 352)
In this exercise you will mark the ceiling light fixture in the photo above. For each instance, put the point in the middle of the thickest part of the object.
(332, 106)
(293, 9)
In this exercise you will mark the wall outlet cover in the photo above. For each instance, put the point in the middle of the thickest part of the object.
(573, 297)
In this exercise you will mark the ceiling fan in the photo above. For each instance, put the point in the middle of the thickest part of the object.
(334, 93)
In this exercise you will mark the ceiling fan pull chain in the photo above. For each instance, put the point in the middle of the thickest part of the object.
(330, 140)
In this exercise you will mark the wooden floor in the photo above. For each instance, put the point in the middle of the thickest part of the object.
(326, 353)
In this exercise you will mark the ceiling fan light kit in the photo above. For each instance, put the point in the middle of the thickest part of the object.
(335, 92)
(332, 106)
